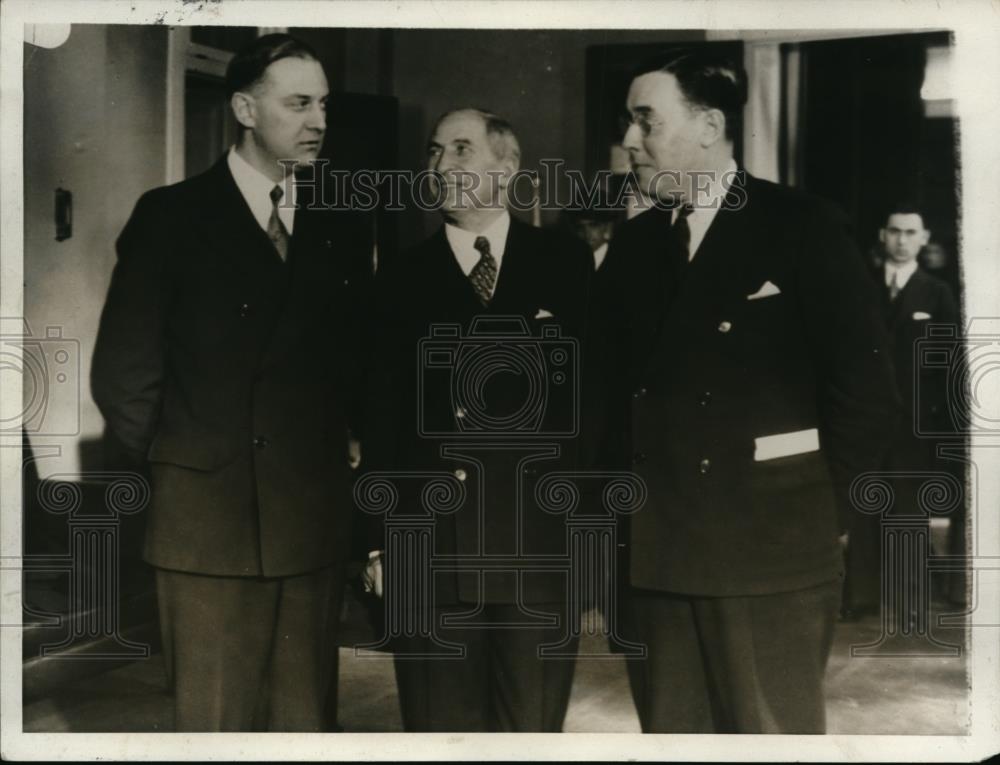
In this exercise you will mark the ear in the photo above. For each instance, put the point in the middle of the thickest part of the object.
(714, 129)
(925, 237)
(509, 166)
(881, 235)
(244, 109)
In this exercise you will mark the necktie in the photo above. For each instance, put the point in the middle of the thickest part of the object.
(682, 235)
(484, 274)
(276, 230)
(894, 286)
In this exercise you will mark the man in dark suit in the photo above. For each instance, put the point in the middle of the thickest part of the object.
(912, 299)
(758, 384)
(227, 357)
(502, 285)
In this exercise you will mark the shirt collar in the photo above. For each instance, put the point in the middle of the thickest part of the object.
(709, 203)
(256, 190)
(903, 272)
(462, 242)
(710, 200)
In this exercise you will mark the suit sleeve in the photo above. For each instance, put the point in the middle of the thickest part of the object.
(362, 327)
(381, 401)
(607, 364)
(129, 361)
(859, 402)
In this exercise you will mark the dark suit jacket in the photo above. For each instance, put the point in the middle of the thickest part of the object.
(236, 376)
(708, 371)
(925, 300)
(415, 398)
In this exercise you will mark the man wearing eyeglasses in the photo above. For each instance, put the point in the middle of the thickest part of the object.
(758, 386)
(227, 358)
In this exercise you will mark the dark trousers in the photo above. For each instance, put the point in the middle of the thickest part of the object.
(735, 665)
(501, 684)
(248, 653)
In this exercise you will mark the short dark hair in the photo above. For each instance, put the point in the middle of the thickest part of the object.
(904, 207)
(247, 67)
(709, 80)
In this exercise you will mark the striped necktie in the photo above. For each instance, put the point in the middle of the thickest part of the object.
(276, 230)
(484, 274)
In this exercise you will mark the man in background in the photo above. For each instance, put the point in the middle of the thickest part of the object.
(227, 357)
(911, 300)
(595, 227)
(745, 347)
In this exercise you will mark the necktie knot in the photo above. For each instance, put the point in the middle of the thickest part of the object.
(276, 194)
(683, 212)
(482, 245)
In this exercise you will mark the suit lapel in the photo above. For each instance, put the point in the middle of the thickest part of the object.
(508, 296)
(230, 228)
(906, 300)
(454, 281)
(721, 265)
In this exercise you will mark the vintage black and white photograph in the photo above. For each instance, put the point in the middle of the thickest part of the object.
(500, 368)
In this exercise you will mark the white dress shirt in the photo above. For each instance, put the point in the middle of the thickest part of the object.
(706, 208)
(256, 190)
(902, 272)
(599, 255)
(462, 244)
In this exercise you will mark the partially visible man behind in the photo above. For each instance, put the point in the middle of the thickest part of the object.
(754, 374)
(227, 357)
(912, 300)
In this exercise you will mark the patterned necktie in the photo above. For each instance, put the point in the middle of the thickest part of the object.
(484, 274)
(276, 230)
(682, 235)
(894, 286)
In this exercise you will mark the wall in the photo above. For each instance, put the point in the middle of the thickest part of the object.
(534, 78)
(93, 124)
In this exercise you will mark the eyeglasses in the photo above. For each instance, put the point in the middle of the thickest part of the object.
(643, 120)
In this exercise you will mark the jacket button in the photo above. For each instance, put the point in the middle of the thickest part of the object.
(704, 466)
(245, 310)
(460, 474)
(638, 458)
(260, 442)
(328, 244)
(639, 393)
(725, 326)
(706, 397)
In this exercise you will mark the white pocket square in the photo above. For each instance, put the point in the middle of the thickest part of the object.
(785, 445)
(920, 316)
(543, 314)
(766, 290)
